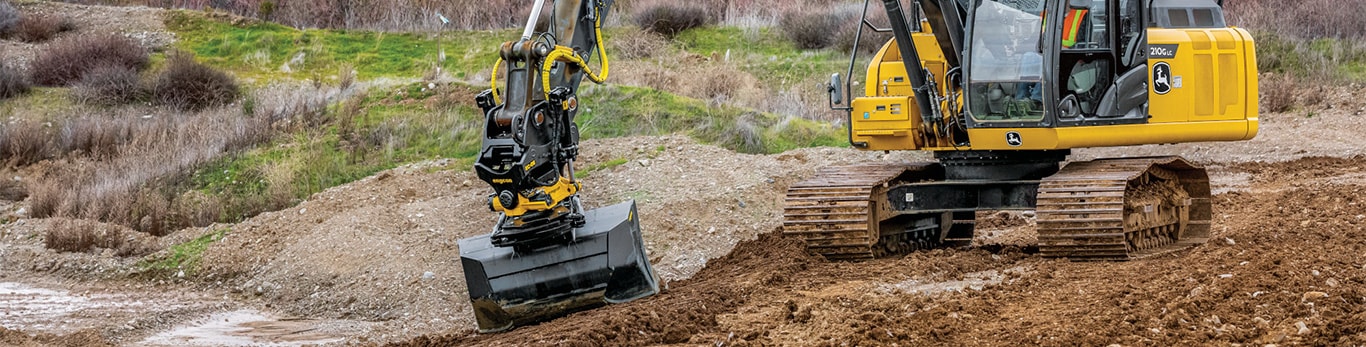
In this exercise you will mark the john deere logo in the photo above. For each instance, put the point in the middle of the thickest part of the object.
(1162, 74)
(1013, 139)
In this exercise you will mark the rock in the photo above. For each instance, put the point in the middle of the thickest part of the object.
(1259, 321)
(1302, 328)
(302, 210)
(428, 275)
(1315, 273)
(22, 212)
(1313, 296)
(1332, 283)
(645, 162)
(1230, 241)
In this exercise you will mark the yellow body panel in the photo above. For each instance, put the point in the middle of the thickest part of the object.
(1213, 76)
(1111, 135)
(1213, 98)
(561, 190)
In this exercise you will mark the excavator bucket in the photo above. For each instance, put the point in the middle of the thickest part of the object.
(605, 263)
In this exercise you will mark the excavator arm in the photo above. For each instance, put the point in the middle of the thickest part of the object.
(547, 256)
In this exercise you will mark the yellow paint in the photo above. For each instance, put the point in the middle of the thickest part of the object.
(529, 166)
(1216, 100)
(562, 189)
(1213, 76)
(1111, 135)
(502, 181)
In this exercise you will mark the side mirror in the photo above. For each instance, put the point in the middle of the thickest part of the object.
(836, 95)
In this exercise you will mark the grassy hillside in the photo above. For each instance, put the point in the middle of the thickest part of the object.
(409, 111)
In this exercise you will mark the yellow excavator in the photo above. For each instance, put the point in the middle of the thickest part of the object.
(1000, 91)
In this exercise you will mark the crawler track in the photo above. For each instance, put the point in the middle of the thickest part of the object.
(836, 212)
(1120, 209)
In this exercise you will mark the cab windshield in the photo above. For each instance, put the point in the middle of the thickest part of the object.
(1007, 68)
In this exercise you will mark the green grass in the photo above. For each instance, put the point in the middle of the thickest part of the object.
(766, 54)
(588, 171)
(181, 257)
(626, 111)
(401, 125)
(258, 50)
(391, 126)
(1330, 58)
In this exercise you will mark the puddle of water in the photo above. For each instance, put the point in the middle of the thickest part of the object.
(970, 281)
(23, 307)
(254, 328)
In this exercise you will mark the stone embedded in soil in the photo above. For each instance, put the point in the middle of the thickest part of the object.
(1313, 295)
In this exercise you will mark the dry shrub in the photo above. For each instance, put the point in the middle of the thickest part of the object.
(9, 18)
(74, 235)
(66, 60)
(718, 83)
(12, 82)
(12, 190)
(809, 29)
(636, 44)
(41, 28)
(669, 19)
(80, 236)
(346, 76)
(849, 24)
(153, 157)
(188, 85)
(96, 136)
(1308, 19)
(23, 143)
(107, 85)
(1278, 93)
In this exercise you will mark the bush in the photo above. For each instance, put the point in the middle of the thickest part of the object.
(23, 143)
(1278, 93)
(76, 235)
(809, 29)
(12, 190)
(670, 19)
(35, 29)
(188, 85)
(637, 44)
(107, 85)
(848, 26)
(67, 60)
(12, 82)
(9, 18)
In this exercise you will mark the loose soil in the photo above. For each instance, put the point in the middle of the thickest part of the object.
(375, 261)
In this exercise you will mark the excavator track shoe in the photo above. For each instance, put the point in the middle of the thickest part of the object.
(605, 263)
(1121, 209)
(842, 213)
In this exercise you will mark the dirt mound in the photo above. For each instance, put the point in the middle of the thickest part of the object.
(87, 338)
(689, 308)
(1284, 267)
(384, 248)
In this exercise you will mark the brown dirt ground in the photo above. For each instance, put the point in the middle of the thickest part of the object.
(1288, 252)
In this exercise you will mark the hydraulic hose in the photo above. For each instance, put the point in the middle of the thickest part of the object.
(566, 54)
